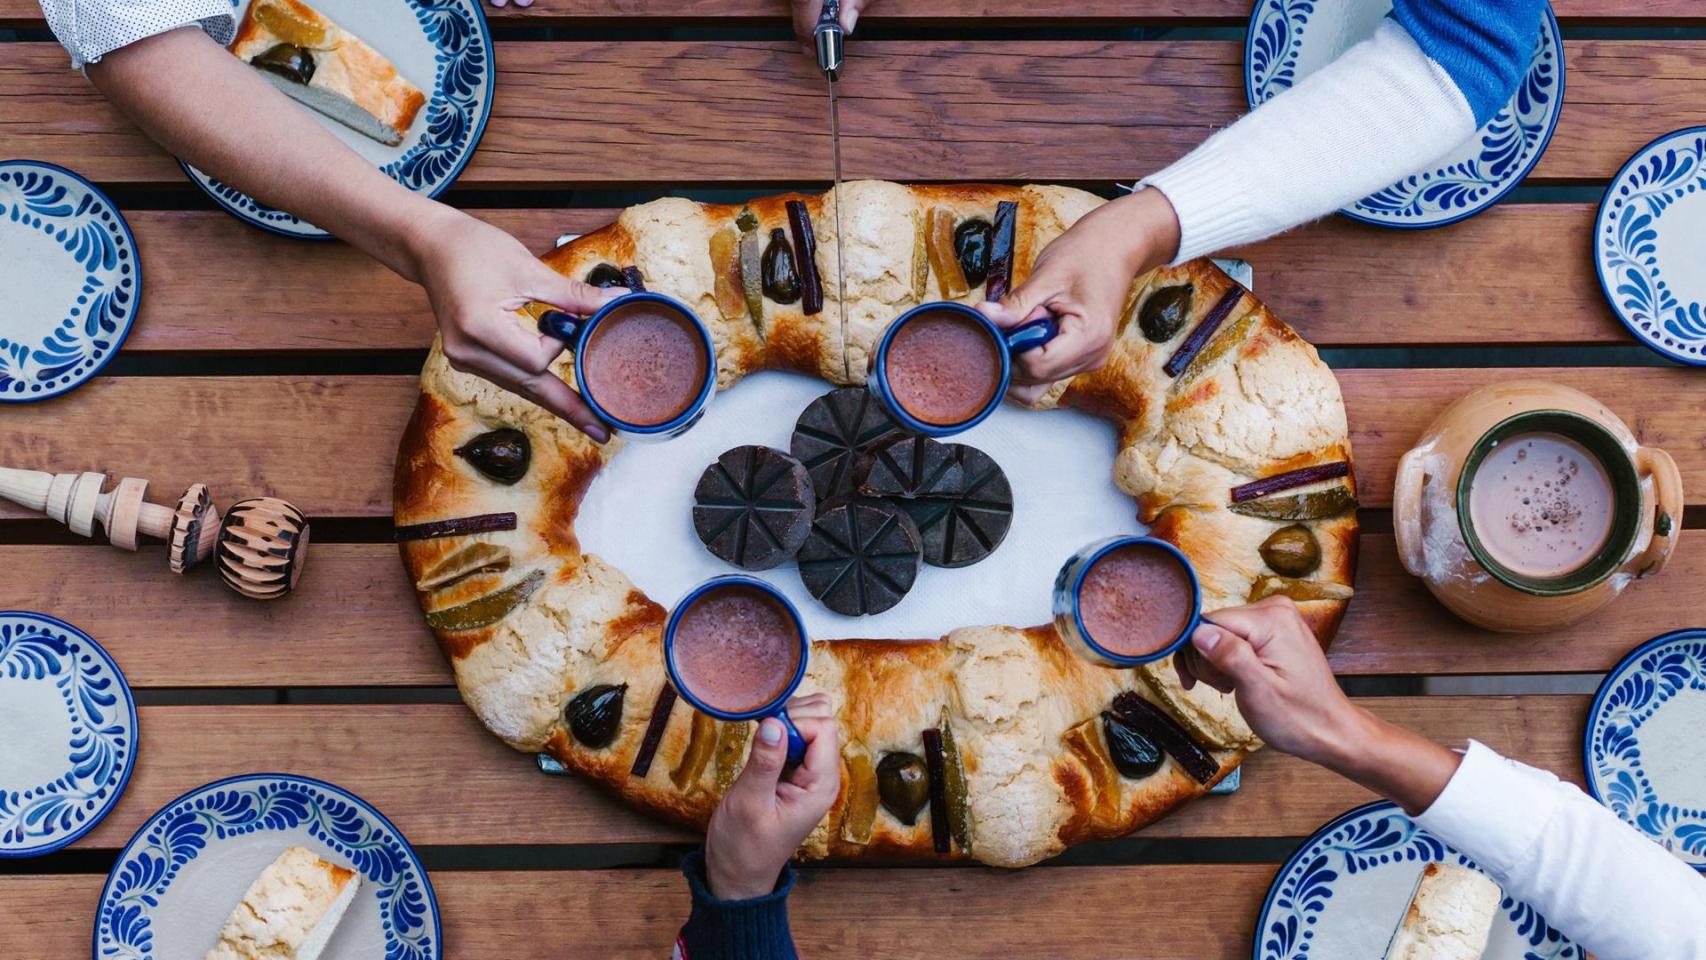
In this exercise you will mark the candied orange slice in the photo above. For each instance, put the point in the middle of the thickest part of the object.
(292, 25)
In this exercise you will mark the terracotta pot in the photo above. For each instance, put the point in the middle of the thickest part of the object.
(1437, 541)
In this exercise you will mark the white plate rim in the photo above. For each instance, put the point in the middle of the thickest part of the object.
(1629, 663)
(1599, 225)
(1512, 181)
(1385, 807)
(203, 181)
(123, 333)
(122, 689)
(368, 809)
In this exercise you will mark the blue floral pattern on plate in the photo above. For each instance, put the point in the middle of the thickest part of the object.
(1639, 215)
(1620, 768)
(459, 103)
(94, 763)
(43, 356)
(1374, 845)
(360, 836)
(1474, 178)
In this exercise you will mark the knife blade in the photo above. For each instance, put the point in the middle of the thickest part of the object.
(829, 38)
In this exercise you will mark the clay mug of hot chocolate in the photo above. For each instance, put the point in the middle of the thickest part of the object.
(1526, 506)
(1124, 601)
(736, 649)
(941, 368)
(644, 363)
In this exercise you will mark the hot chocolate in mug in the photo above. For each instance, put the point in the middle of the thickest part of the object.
(941, 368)
(1527, 506)
(645, 363)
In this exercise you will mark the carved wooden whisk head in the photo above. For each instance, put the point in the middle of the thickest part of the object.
(260, 545)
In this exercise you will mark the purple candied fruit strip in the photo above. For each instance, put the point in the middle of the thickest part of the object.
(1204, 332)
(1001, 251)
(1148, 720)
(455, 527)
(1289, 479)
(805, 257)
(654, 731)
(934, 761)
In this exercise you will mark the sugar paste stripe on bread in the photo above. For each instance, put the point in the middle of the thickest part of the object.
(1023, 711)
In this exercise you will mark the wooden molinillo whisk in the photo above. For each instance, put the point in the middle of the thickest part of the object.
(261, 544)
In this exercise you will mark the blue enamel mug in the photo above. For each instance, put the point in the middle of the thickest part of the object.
(577, 332)
(1069, 591)
(1007, 344)
(701, 698)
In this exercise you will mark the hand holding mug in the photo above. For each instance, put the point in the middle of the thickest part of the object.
(770, 809)
(1082, 277)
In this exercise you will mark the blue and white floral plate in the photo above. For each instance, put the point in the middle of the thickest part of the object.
(1641, 751)
(442, 46)
(1647, 243)
(69, 278)
(1290, 39)
(189, 865)
(67, 734)
(1343, 892)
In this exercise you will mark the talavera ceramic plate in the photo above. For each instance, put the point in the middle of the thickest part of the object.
(67, 734)
(443, 47)
(1641, 752)
(1648, 241)
(70, 281)
(189, 865)
(1342, 894)
(1290, 39)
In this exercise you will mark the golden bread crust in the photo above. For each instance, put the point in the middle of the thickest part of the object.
(1255, 405)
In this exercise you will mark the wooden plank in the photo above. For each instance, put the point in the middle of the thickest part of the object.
(26, 14)
(577, 114)
(324, 443)
(353, 621)
(384, 753)
(1442, 286)
(1067, 913)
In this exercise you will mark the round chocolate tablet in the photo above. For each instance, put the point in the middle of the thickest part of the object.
(913, 467)
(836, 433)
(962, 524)
(754, 507)
(861, 557)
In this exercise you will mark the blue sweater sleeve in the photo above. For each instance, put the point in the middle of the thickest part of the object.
(1484, 45)
(735, 929)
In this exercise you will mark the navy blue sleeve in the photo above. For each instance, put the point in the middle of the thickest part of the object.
(735, 929)
(1484, 45)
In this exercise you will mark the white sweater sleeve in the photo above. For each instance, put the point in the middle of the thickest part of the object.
(91, 29)
(1609, 889)
(1377, 114)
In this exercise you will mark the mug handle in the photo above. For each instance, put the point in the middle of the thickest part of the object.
(796, 743)
(1030, 336)
(1667, 510)
(1407, 511)
(564, 326)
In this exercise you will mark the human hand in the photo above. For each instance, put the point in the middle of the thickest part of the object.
(806, 13)
(477, 277)
(1268, 658)
(768, 812)
(1082, 277)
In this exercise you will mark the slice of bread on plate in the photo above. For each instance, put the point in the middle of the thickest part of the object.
(290, 911)
(327, 68)
(1449, 917)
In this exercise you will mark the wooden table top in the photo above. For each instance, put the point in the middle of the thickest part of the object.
(343, 681)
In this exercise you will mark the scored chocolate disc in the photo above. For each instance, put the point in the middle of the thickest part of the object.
(754, 507)
(862, 557)
(963, 522)
(913, 467)
(836, 433)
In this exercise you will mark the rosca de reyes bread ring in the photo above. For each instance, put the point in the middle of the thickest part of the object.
(1233, 444)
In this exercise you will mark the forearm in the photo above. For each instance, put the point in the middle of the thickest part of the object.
(1380, 112)
(1398, 764)
(1609, 889)
(207, 107)
(750, 929)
